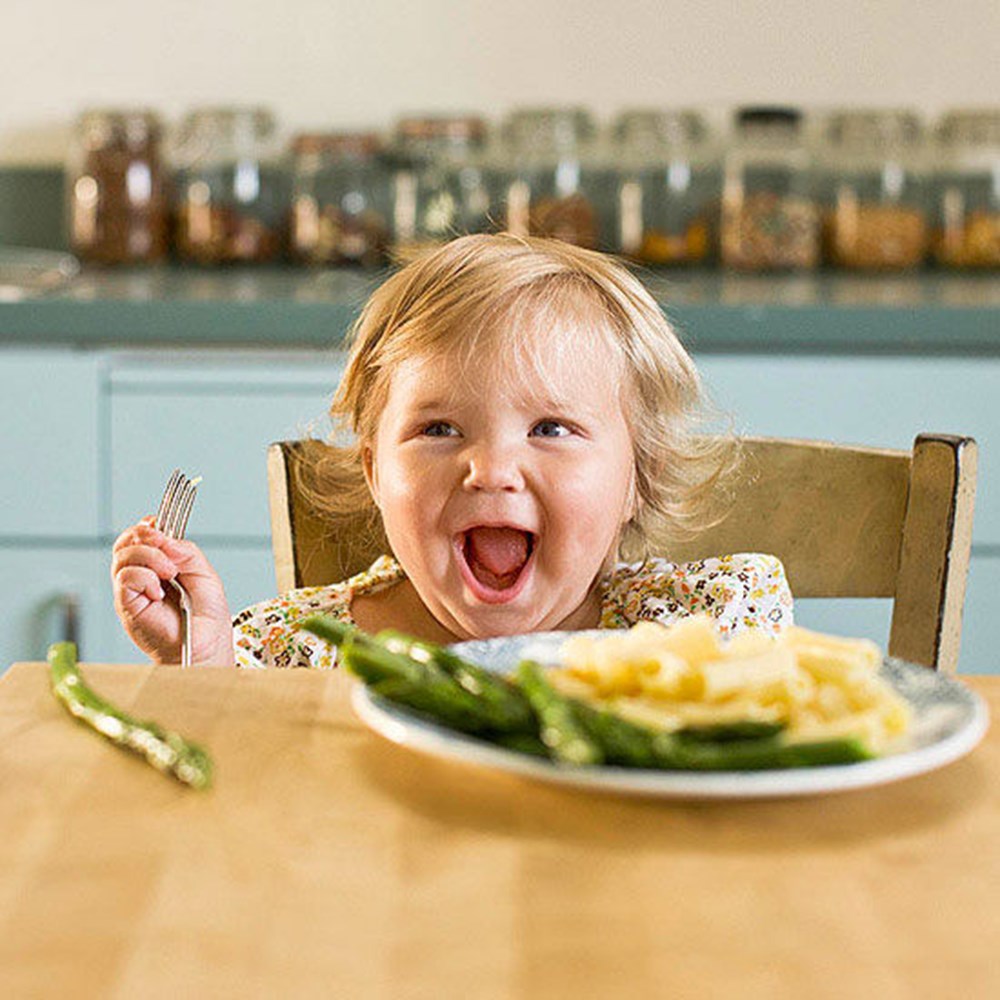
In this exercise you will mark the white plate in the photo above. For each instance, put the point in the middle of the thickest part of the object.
(949, 720)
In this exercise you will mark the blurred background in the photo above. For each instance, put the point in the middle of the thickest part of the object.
(339, 63)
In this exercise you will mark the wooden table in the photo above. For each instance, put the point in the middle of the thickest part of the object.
(327, 862)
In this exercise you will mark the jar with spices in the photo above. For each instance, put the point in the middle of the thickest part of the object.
(554, 178)
(667, 186)
(770, 219)
(967, 190)
(440, 187)
(340, 199)
(874, 190)
(230, 192)
(116, 190)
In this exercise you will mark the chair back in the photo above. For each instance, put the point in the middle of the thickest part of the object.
(845, 521)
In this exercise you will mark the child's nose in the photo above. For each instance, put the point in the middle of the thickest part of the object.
(493, 468)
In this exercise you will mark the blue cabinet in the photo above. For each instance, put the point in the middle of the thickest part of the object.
(90, 436)
(50, 429)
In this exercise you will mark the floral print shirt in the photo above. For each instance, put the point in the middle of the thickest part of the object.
(741, 592)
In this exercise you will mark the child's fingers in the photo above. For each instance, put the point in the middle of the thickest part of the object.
(137, 585)
(144, 556)
(136, 534)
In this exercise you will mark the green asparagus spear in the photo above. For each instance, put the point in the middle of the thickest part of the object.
(725, 732)
(628, 744)
(441, 700)
(503, 697)
(428, 679)
(166, 751)
(561, 731)
(749, 755)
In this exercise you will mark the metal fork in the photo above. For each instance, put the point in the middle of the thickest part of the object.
(172, 519)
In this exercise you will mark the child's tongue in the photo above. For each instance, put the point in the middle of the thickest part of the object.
(496, 555)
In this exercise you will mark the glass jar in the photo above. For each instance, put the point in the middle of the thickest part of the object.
(770, 220)
(440, 189)
(667, 186)
(340, 195)
(116, 191)
(555, 181)
(967, 190)
(874, 190)
(230, 194)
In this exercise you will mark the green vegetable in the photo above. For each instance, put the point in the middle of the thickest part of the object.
(724, 732)
(429, 678)
(532, 717)
(506, 702)
(750, 755)
(166, 751)
(561, 730)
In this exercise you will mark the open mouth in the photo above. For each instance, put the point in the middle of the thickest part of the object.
(495, 558)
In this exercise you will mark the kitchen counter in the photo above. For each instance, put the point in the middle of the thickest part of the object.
(928, 313)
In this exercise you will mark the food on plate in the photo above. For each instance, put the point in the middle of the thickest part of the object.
(816, 686)
(650, 697)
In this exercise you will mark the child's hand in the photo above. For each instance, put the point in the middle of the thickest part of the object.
(143, 559)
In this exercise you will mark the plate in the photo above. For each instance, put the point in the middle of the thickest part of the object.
(949, 720)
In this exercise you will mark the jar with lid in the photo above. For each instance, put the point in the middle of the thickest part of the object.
(116, 190)
(667, 186)
(340, 195)
(230, 192)
(770, 220)
(556, 181)
(440, 186)
(967, 190)
(874, 190)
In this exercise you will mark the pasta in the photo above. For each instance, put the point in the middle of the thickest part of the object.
(668, 677)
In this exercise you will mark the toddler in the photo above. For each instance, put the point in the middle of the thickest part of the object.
(522, 416)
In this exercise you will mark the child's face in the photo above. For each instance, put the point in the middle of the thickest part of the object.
(503, 493)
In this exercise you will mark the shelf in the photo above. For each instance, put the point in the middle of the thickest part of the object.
(926, 313)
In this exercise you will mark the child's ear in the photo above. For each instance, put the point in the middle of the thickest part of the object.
(371, 474)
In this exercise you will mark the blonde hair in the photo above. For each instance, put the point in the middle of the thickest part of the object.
(471, 291)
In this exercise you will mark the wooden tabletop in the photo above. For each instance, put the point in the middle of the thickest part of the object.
(327, 862)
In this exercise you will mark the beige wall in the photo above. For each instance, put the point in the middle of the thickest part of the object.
(352, 62)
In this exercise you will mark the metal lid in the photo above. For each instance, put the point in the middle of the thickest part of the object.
(647, 127)
(768, 115)
(359, 145)
(120, 126)
(970, 126)
(550, 128)
(875, 127)
(451, 128)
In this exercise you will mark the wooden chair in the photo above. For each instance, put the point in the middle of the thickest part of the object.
(845, 521)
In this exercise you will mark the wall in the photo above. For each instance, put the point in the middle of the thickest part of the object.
(354, 62)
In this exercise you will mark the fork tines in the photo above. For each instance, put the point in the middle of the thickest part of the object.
(175, 507)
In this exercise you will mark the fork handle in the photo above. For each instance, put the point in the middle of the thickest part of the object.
(185, 607)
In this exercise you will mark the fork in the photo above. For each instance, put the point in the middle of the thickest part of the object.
(171, 519)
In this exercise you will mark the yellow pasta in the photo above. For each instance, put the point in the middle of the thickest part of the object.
(820, 686)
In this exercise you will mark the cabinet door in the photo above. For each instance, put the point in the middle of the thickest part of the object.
(216, 423)
(49, 415)
(980, 649)
(884, 402)
(36, 585)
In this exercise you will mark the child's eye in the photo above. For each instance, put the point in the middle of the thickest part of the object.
(438, 429)
(550, 429)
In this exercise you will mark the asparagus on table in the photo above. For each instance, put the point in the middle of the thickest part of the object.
(166, 751)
